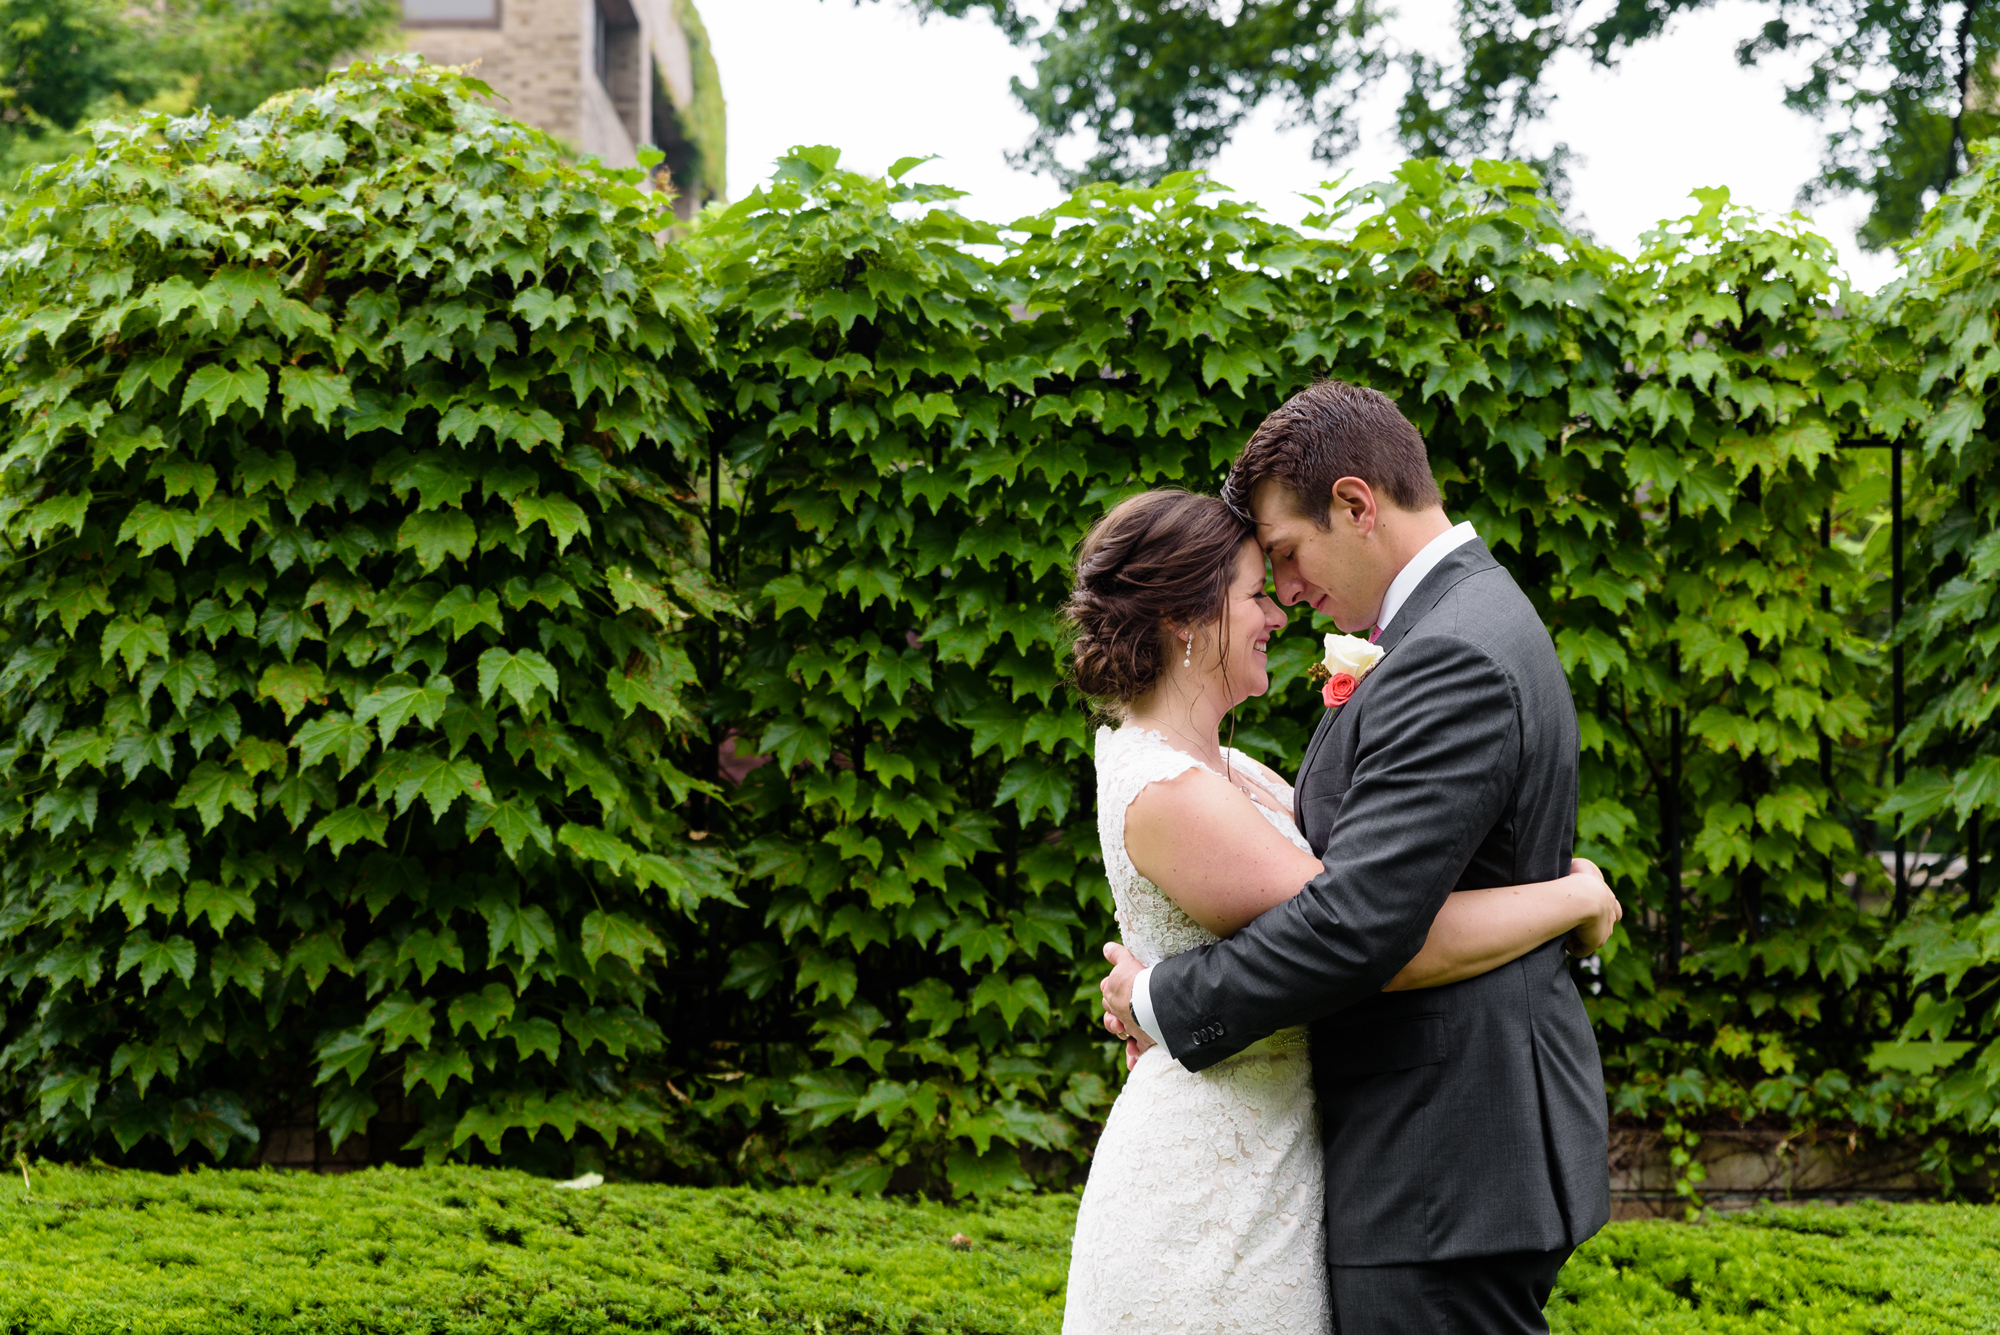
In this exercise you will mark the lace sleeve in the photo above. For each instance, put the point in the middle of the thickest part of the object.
(1152, 925)
(1128, 760)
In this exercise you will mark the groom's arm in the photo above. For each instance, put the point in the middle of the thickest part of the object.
(1437, 754)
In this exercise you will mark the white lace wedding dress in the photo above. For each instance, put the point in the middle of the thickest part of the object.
(1203, 1209)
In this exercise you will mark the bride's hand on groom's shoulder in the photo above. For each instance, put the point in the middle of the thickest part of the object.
(1595, 930)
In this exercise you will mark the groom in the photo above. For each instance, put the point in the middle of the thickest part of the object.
(1465, 1125)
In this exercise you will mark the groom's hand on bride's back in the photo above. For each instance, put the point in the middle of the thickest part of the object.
(1117, 990)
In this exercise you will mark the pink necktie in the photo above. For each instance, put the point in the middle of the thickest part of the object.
(1374, 635)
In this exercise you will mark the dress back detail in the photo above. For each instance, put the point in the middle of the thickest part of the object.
(1128, 758)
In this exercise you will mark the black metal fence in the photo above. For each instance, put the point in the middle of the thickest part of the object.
(1672, 834)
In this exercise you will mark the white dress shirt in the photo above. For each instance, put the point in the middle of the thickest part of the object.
(1400, 588)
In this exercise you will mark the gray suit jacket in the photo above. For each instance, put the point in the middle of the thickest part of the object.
(1460, 1121)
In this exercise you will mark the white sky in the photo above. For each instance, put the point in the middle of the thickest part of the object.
(870, 79)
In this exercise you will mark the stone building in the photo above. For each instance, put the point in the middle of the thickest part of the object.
(603, 76)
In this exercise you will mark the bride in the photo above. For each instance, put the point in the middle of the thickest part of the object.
(1203, 1208)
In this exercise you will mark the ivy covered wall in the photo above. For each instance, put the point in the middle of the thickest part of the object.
(827, 457)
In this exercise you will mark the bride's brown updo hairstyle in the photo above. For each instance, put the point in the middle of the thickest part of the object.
(1156, 561)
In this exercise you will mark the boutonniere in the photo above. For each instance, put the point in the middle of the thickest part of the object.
(1348, 659)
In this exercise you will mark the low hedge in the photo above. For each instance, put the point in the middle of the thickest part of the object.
(469, 1251)
(473, 1251)
(1866, 1269)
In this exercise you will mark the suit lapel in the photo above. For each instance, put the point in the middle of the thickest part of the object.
(1312, 749)
(1467, 559)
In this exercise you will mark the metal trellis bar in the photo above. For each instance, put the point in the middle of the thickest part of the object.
(1896, 688)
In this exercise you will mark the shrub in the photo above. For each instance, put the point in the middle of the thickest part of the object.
(1866, 1269)
(474, 1251)
(338, 700)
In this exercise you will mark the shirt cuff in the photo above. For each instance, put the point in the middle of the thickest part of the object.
(1142, 1009)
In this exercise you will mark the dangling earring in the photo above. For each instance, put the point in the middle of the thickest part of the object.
(1187, 659)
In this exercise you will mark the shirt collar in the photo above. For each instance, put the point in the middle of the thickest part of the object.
(1425, 561)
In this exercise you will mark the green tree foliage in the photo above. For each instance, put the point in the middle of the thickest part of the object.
(1145, 89)
(58, 58)
(239, 52)
(63, 62)
(1904, 88)
(341, 449)
(704, 121)
(1153, 89)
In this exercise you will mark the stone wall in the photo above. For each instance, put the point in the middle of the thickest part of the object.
(542, 61)
(1746, 1167)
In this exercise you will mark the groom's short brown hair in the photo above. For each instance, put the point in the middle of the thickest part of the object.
(1327, 431)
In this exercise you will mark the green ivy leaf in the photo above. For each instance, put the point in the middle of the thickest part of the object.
(144, 1061)
(532, 1035)
(348, 1053)
(134, 640)
(185, 679)
(344, 737)
(518, 673)
(399, 699)
(316, 955)
(320, 392)
(154, 959)
(485, 1010)
(349, 826)
(992, 1172)
(65, 806)
(428, 950)
(400, 1019)
(1010, 996)
(216, 1118)
(229, 516)
(59, 512)
(345, 1111)
(211, 789)
(404, 777)
(292, 686)
(215, 388)
(435, 535)
(617, 1028)
(222, 904)
(437, 1067)
(615, 934)
(564, 517)
(525, 930)
(515, 820)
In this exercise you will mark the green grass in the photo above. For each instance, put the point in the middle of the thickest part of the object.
(470, 1251)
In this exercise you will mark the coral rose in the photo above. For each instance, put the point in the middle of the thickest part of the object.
(1337, 688)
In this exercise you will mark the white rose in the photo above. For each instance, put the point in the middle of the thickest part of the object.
(1351, 654)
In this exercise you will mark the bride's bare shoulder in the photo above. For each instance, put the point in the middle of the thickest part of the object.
(1197, 805)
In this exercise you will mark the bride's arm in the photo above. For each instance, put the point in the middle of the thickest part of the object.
(1479, 930)
(1203, 843)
